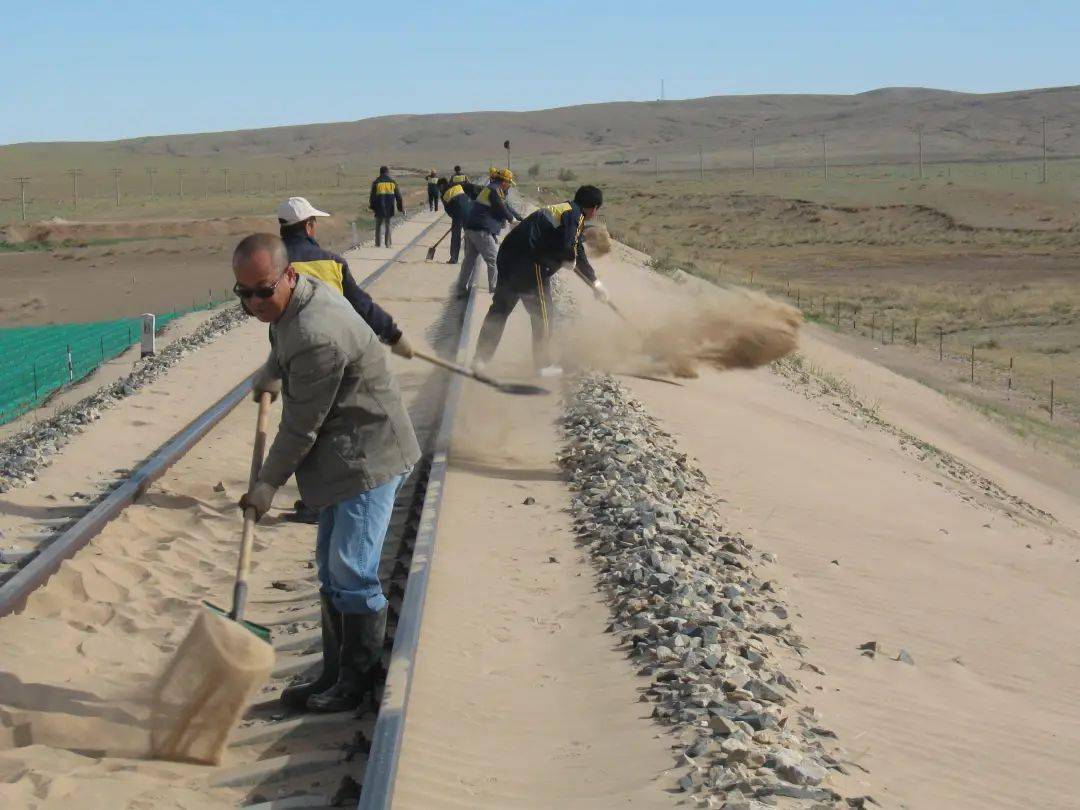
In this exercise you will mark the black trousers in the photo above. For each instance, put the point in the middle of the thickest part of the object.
(538, 304)
(433, 198)
(382, 226)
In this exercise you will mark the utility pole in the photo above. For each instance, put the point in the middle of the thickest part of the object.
(753, 155)
(180, 181)
(661, 89)
(243, 182)
(701, 161)
(205, 182)
(919, 131)
(75, 174)
(506, 146)
(825, 156)
(339, 172)
(116, 183)
(1044, 149)
(150, 172)
(226, 172)
(22, 181)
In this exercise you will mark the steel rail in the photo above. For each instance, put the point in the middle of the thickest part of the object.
(380, 771)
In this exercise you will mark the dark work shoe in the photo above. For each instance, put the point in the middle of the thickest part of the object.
(296, 696)
(361, 655)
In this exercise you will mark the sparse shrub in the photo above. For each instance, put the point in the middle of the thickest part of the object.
(566, 175)
(534, 171)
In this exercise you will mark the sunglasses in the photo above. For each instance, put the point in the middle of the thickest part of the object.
(260, 292)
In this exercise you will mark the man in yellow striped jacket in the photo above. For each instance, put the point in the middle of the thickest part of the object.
(384, 194)
(530, 255)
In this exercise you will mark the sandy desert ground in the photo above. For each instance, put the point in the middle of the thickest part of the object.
(896, 516)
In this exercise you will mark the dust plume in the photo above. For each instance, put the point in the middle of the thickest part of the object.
(598, 240)
(738, 329)
(677, 333)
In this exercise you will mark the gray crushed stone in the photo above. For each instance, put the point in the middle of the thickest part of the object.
(687, 602)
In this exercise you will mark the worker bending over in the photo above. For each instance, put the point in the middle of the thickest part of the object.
(457, 200)
(433, 191)
(346, 435)
(384, 194)
(296, 223)
(488, 214)
(529, 256)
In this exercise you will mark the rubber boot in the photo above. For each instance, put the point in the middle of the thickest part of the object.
(296, 696)
(361, 657)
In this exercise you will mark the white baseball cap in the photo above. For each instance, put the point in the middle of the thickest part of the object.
(297, 209)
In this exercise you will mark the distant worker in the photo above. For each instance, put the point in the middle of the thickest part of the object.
(384, 194)
(346, 435)
(457, 200)
(433, 191)
(458, 177)
(296, 223)
(529, 256)
(489, 213)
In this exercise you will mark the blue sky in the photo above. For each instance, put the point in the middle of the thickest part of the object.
(96, 71)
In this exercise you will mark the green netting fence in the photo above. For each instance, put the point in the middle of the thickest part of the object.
(35, 361)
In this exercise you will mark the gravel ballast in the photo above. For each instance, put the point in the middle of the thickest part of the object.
(699, 621)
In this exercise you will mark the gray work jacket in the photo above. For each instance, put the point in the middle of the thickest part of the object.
(344, 428)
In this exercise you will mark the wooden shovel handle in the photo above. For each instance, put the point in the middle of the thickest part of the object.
(248, 535)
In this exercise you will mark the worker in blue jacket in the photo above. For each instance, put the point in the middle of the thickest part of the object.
(457, 200)
(529, 256)
(433, 191)
(384, 194)
(297, 220)
(489, 213)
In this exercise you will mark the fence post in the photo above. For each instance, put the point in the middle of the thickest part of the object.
(973, 363)
(838, 314)
(916, 333)
(873, 324)
(940, 344)
(35, 382)
(892, 331)
(1010, 374)
(1051, 399)
(71, 367)
(102, 338)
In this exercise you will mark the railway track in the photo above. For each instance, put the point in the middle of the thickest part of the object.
(312, 761)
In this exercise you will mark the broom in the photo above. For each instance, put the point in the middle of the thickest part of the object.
(431, 250)
(220, 665)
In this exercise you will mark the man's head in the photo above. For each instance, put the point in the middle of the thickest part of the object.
(589, 199)
(264, 278)
(443, 184)
(457, 170)
(384, 170)
(297, 216)
(504, 177)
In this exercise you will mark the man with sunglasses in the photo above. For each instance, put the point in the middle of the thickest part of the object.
(346, 435)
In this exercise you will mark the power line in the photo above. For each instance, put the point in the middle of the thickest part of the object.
(23, 182)
(75, 174)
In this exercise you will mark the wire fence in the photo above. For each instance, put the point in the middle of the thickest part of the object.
(36, 361)
(971, 352)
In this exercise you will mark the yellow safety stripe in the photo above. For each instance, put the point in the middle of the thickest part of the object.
(554, 212)
(459, 178)
(577, 236)
(543, 301)
(452, 192)
(386, 188)
(326, 270)
(484, 197)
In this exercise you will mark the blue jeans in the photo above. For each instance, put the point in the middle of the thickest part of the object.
(349, 547)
